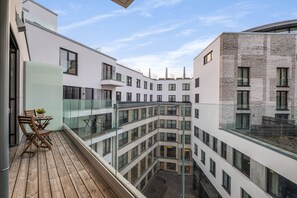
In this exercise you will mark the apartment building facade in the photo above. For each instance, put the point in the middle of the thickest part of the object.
(134, 122)
(244, 140)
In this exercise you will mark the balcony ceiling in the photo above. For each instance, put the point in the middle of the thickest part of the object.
(124, 3)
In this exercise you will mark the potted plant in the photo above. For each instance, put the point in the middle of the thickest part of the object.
(40, 112)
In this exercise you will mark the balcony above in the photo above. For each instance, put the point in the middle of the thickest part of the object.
(115, 80)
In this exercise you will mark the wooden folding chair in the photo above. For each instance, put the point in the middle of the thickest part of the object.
(40, 138)
(32, 113)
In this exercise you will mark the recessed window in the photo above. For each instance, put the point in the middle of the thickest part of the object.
(197, 82)
(241, 162)
(106, 146)
(145, 84)
(226, 182)
(151, 86)
(151, 98)
(279, 186)
(129, 81)
(281, 100)
(186, 86)
(185, 98)
(212, 167)
(205, 138)
(68, 60)
(171, 151)
(159, 98)
(197, 113)
(196, 98)
(138, 83)
(123, 160)
(203, 157)
(171, 137)
(171, 87)
(243, 76)
(242, 121)
(243, 99)
(207, 58)
(134, 152)
(123, 117)
(187, 111)
(195, 149)
(171, 110)
(138, 97)
(223, 150)
(123, 139)
(118, 96)
(171, 98)
(159, 87)
(145, 97)
(214, 144)
(282, 116)
(282, 77)
(244, 194)
(71, 92)
(129, 97)
(108, 72)
(134, 174)
(196, 131)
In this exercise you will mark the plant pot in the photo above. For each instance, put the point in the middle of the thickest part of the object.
(41, 115)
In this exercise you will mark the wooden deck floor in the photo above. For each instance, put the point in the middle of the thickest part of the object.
(60, 172)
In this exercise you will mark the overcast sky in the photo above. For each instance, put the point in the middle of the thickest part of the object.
(162, 33)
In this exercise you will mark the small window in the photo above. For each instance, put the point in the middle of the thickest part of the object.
(223, 150)
(151, 86)
(118, 96)
(171, 87)
(138, 97)
(159, 98)
(129, 81)
(186, 86)
(242, 121)
(68, 60)
(282, 77)
(185, 98)
(281, 100)
(212, 167)
(145, 84)
(138, 83)
(197, 82)
(243, 76)
(243, 99)
(171, 98)
(226, 182)
(196, 98)
(207, 58)
(197, 113)
(129, 97)
(214, 144)
(203, 157)
(159, 87)
(244, 194)
(195, 149)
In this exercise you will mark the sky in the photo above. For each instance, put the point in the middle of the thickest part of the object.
(162, 33)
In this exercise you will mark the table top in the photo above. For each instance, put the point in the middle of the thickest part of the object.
(44, 118)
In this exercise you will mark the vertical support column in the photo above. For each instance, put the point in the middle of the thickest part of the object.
(4, 104)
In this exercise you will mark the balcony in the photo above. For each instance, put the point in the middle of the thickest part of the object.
(69, 169)
(114, 80)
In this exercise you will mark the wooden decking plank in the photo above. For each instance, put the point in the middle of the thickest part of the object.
(65, 179)
(89, 183)
(12, 153)
(104, 188)
(43, 176)
(21, 181)
(76, 180)
(54, 180)
(32, 182)
(14, 167)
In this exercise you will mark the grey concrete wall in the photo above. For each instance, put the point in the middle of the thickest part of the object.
(258, 174)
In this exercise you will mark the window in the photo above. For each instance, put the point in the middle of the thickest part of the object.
(123, 160)
(187, 125)
(196, 98)
(197, 82)
(150, 111)
(159, 98)
(281, 100)
(207, 58)
(118, 77)
(138, 97)
(151, 98)
(202, 157)
(123, 117)
(143, 129)
(161, 151)
(145, 97)
(134, 174)
(134, 134)
(150, 141)
(226, 182)
(143, 113)
(162, 110)
(71, 92)
(205, 138)
(118, 96)
(187, 139)
(197, 113)
(171, 137)
(243, 99)
(106, 146)
(224, 150)
(195, 149)
(129, 97)
(241, 162)
(243, 76)
(282, 77)
(145, 84)
(89, 94)
(214, 144)
(185, 98)
(151, 86)
(123, 139)
(162, 123)
(171, 166)
(159, 87)
(129, 81)
(68, 60)
(278, 186)
(212, 167)
(108, 71)
(186, 86)
(196, 131)
(187, 111)
(242, 121)
(171, 110)
(282, 116)
(171, 98)
(171, 87)
(150, 127)
(134, 152)
(138, 83)
(161, 136)
(171, 124)
(244, 194)
(171, 151)
(143, 146)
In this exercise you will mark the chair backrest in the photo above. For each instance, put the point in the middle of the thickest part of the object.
(27, 121)
(30, 113)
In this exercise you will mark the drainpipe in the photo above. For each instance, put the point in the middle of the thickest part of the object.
(4, 105)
